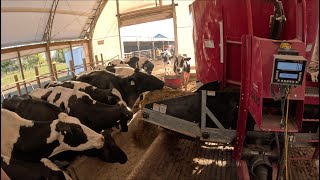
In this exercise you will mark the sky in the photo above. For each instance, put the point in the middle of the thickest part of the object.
(164, 27)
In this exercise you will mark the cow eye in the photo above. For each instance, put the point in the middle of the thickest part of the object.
(64, 132)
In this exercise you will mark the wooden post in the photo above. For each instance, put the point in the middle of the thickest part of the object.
(160, 2)
(73, 72)
(97, 60)
(17, 84)
(119, 24)
(91, 59)
(84, 64)
(22, 73)
(176, 48)
(54, 68)
(49, 62)
(101, 58)
(71, 51)
(36, 70)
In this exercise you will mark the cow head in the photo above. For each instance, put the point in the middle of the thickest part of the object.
(13, 102)
(144, 82)
(72, 135)
(111, 152)
(126, 115)
(178, 64)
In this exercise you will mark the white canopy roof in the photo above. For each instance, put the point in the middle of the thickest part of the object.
(25, 21)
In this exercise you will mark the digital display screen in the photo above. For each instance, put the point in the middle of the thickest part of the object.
(288, 75)
(289, 66)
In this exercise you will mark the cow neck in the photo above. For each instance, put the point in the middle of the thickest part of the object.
(121, 86)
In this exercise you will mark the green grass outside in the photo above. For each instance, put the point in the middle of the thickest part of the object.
(29, 73)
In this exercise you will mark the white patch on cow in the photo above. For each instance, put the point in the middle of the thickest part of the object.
(64, 98)
(79, 85)
(6, 159)
(122, 65)
(116, 92)
(124, 71)
(10, 127)
(54, 167)
(116, 62)
(143, 97)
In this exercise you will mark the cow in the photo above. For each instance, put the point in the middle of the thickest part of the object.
(107, 96)
(130, 87)
(110, 152)
(148, 66)
(181, 64)
(133, 62)
(98, 116)
(43, 169)
(39, 110)
(116, 62)
(32, 140)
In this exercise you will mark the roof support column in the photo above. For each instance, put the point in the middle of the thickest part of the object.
(118, 17)
(49, 62)
(160, 2)
(90, 53)
(22, 73)
(175, 28)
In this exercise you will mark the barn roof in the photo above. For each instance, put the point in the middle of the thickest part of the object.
(32, 21)
(25, 22)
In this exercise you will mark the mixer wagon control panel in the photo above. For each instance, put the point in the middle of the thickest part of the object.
(288, 69)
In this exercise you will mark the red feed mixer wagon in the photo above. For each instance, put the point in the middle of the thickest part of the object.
(252, 57)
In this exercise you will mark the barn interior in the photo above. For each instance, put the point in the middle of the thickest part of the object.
(240, 100)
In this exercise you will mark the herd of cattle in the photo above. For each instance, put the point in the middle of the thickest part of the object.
(42, 132)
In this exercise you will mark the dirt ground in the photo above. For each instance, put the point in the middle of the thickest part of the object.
(172, 158)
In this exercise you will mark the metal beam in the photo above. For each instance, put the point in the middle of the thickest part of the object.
(175, 28)
(88, 31)
(47, 31)
(42, 10)
(118, 18)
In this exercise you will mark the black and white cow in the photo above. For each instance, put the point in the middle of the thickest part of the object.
(129, 87)
(98, 116)
(38, 110)
(116, 62)
(110, 152)
(148, 66)
(133, 62)
(181, 64)
(32, 140)
(21, 170)
(107, 96)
